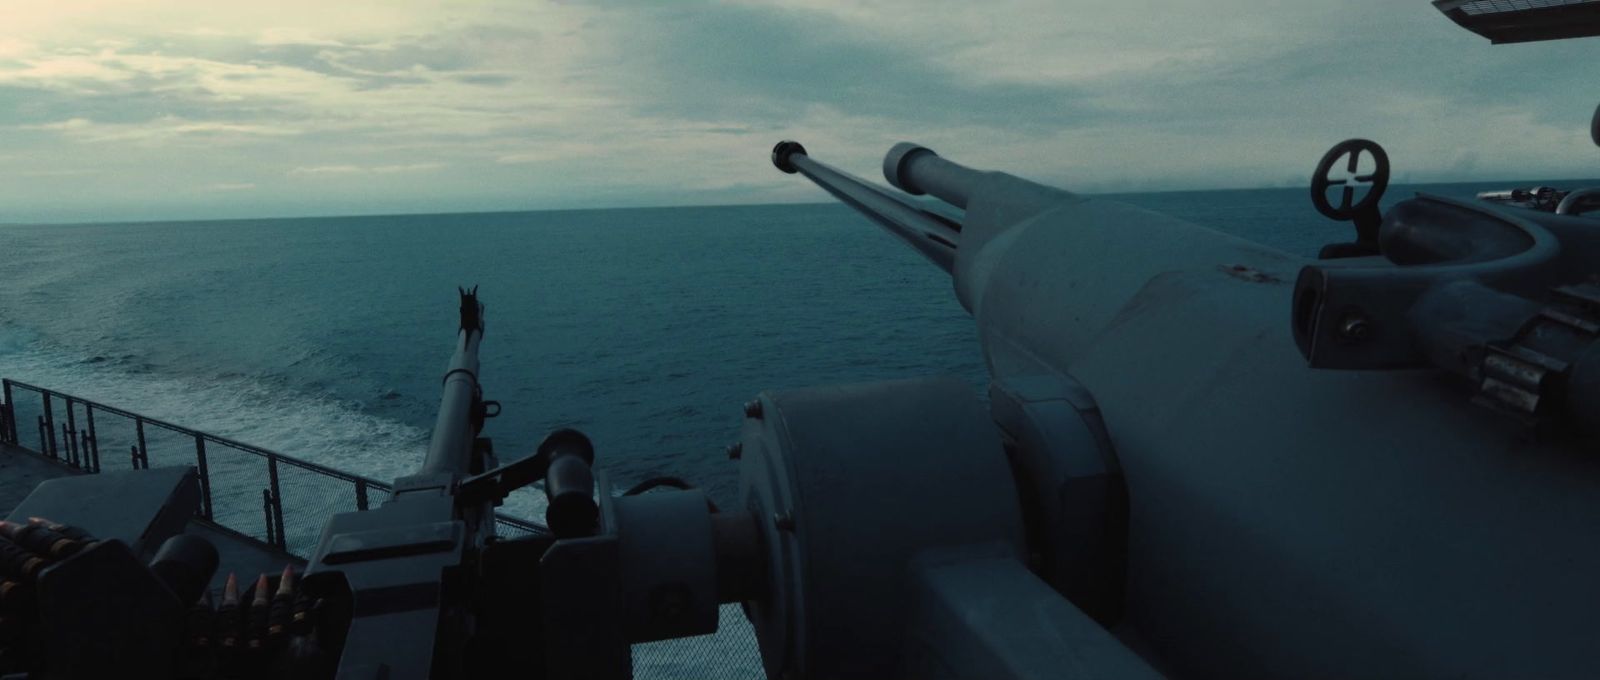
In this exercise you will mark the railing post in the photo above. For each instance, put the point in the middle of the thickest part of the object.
(361, 494)
(66, 437)
(88, 462)
(8, 416)
(11, 413)
(44, 443)
(205, 474)
(49, 424)
(133, 455)
(144, 453)
(92, 438)
(70, 435)
(275, 509)
(266, 512)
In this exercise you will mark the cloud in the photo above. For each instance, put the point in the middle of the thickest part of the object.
(758, 63)
(542, 104)
(56, 172)
(405, 167)
(347, 169)
(65, 125)
(328, 170)
(163, 130)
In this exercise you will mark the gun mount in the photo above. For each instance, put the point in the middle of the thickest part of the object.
(1277, 511)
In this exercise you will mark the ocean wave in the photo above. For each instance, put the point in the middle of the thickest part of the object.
(15, 339)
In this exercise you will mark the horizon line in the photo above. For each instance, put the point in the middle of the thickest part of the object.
(355, 215)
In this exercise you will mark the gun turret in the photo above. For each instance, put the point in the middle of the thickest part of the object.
(1214, 456)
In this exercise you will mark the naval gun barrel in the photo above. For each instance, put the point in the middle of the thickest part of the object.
(935, 236)
(461, 402)
(917, 170)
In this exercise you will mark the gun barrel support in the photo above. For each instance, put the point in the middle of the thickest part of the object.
(933, 235)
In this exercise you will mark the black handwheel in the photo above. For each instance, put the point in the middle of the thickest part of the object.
(1594, 127)
(1351, 204)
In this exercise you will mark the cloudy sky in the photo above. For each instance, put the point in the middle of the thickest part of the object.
(173, 109)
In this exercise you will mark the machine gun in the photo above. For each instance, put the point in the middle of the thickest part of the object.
(418, 587)
(415, 588)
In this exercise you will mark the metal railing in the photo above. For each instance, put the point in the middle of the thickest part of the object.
(243, 488)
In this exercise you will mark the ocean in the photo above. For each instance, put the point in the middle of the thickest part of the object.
(325, 338)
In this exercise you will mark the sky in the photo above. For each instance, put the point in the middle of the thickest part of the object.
(171, 109)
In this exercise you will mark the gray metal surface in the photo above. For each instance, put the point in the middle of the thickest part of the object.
(980, 615)
(393, 558)
(141, 508)
(21, 470)
(667, 565)
(1071, 486)
(1286, 521)
(851, 484)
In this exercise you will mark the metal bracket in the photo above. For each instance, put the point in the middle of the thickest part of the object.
(1074, 501)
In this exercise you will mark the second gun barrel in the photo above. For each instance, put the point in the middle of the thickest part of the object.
(918, 170)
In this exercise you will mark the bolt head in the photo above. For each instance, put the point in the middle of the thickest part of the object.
(1354, 328)
(783, 520)
(752, 408)
(735, 450)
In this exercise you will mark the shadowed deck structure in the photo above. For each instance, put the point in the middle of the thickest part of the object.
(22, 470)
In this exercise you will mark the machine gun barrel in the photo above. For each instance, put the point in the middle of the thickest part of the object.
(461, 403)
(935, 236)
